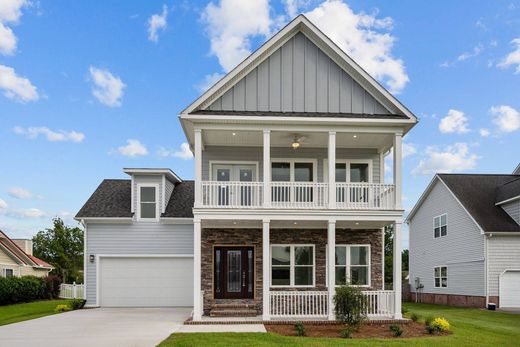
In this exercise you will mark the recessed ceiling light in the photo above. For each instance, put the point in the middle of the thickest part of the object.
(357, 223)
(234, 134)
(234, 223)
(355, 136)
(295, 223)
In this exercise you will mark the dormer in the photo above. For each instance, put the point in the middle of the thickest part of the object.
(151, 190)
(508, 197)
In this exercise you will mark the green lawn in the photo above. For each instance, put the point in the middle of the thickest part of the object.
(20, 312)
(471, 327)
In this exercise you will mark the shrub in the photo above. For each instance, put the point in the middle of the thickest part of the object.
(27, 288)
(428, 320)
(350, 304)
(430, 329)
(52, 285)
(404, 310)
(440, 325)
(346, 333)
(396, 330)
(77, 304)
(414, 317)
(62, 308)
(300, 329)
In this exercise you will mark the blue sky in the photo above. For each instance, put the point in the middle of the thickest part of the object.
(87, 88)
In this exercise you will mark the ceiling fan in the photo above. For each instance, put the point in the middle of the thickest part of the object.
(297, 141)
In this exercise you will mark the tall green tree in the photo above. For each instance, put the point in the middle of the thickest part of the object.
(389, 251)
(62, 247)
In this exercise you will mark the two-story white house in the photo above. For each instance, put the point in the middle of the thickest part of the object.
(289, 152)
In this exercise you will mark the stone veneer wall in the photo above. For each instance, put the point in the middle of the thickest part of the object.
(253, 237)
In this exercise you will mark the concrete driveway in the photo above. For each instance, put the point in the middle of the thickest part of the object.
(98, 327)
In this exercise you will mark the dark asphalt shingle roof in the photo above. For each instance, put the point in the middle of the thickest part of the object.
(478, 195)
(300, 114)
(112, 199)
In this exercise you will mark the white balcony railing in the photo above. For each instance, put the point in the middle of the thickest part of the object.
(291, 195)
(314, 304)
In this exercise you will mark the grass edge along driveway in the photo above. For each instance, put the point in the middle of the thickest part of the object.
(25, 311)
(471, 327)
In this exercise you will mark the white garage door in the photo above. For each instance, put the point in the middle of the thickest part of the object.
(510, 289)
(145, 281)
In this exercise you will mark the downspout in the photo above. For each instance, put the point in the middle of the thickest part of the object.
(486, 265)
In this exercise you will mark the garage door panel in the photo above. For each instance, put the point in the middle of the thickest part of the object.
(510, 289)
(146, 282)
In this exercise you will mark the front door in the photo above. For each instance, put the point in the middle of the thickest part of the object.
(234, 272)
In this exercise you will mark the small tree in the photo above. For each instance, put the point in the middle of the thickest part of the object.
(62, 247)
(350, 305)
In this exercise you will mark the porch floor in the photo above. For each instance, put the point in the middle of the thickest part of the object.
(206, 320)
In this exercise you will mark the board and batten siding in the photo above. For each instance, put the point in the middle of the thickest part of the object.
(503, 253)
(513, 209)
(298, 77)
(462, 250)
(223, 154)
(133, 238)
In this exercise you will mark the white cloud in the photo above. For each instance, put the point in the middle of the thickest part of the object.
(408, 149)
(157, 22)
(209, 81)
(133, 148)
(21, 193)
(10, 12)
(292, 7)
(454, 122)
(231, 24)
(32, 213)
(512, 58)
(362, 36)
(454, 158)
(465, 56)
(183, 153)
(108, 89)
(51, 135)
(484, 132)
(506, 118)
(16, 87)
(3, 205)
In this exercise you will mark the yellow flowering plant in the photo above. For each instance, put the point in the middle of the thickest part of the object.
(440, 324)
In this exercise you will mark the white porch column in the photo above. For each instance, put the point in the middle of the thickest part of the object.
(397, 270)
(266, 272)
(198, 167)
(197, 304)
(332, 169)
(398, 139)
(267, 169)
(331, 260)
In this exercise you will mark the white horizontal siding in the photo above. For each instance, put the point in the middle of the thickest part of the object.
(136, 238)
(462, 250)
(503, 253)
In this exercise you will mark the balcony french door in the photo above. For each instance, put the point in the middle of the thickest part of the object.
(231, 194)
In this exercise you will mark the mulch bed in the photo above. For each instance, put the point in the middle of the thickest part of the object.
(413, 329)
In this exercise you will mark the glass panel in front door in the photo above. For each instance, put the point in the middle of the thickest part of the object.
(223, 175)
(234, 270)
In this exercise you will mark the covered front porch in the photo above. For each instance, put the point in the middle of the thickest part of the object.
(300, 278)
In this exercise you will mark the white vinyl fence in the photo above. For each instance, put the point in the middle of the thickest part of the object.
(71, 291)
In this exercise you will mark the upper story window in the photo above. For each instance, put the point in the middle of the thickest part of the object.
(148, 202)
(440, 275)
(293, 170)
(8, 272)
(292, 265)
(353, 265)
(440, 225)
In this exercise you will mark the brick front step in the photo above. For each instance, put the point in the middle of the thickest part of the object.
(233, 306)
(233, 313)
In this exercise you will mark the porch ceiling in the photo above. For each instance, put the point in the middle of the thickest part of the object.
(292, 224)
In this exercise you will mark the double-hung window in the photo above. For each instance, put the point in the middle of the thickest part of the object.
(148, 202)
(8, 272)
(440, 275)
(353, 265)
(292, 265)
(440, 225)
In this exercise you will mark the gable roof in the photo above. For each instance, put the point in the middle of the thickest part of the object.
(477, 194)
(508, 191)
(112, 199)
(15, 252)
(517, 170)
(302, 25)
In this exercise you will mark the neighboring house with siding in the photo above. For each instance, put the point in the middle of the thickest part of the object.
(465, 241)
(17, 259)
(289, 198)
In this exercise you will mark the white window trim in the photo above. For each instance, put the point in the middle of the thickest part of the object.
(347, 162)
(292, 266)
(440, 276)
(369, 265)
(4, 271)
(232, 162)
(157, 202)
(291, 162)
(440, 225)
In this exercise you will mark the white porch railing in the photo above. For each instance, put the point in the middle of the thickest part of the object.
(314, 304)
(231, 194)
(299, 194)
(365, 196)
(291, 304)
(71, 291)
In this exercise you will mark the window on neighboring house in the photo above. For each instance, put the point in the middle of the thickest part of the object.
(148, 202)
(353, 265)
(8, 272)
(440, 225)
(292, 265)
(440, 274)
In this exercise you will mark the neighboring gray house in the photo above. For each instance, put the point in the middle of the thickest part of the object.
(465, 241)
(289, 198)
